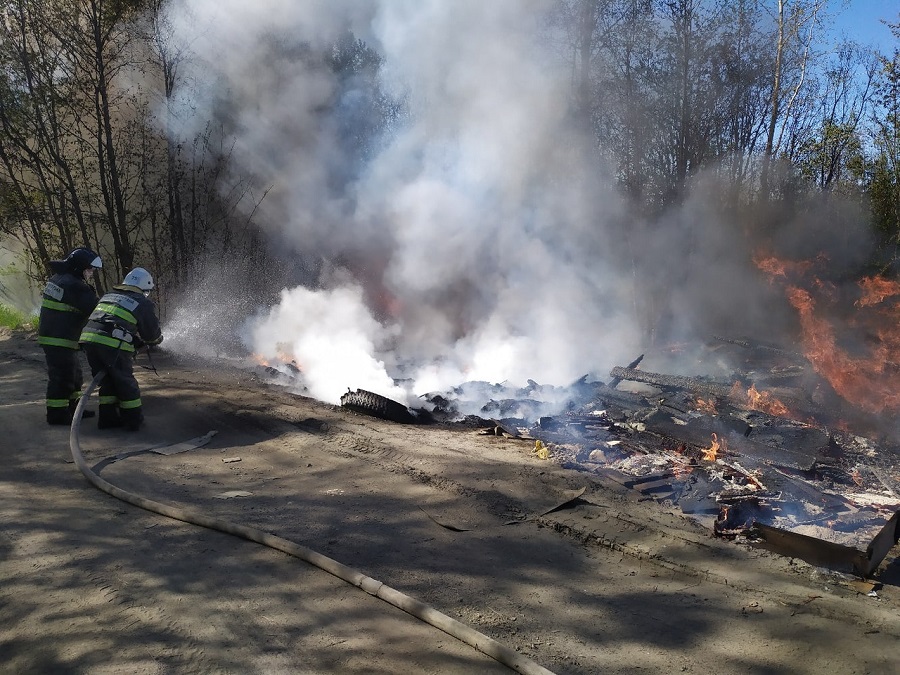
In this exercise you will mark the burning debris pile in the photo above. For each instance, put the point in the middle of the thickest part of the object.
(765, 454)
(764, 450)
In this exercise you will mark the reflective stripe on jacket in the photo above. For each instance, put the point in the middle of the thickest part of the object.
(66, 304)
(124, 319)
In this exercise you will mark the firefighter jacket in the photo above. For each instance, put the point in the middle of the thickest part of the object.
(67, 302)
(125, 319)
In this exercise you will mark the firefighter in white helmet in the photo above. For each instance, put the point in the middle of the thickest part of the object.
(125, 320)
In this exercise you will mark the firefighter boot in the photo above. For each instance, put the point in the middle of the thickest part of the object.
(108, 417)
(60, 416)
(132, 418)
(85, 414)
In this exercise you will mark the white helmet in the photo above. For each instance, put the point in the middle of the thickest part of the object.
(139, 278)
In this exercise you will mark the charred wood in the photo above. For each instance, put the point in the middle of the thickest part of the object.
(805, 493)
(613, 383)
(747, 343)
(736, 394)
(885, 481)
(882, 543)
(801, 446)
(737, 496)
(707, 387)
(810, 549)
(698, 432)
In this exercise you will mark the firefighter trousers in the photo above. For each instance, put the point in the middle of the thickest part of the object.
(120, 394)
(64, 381)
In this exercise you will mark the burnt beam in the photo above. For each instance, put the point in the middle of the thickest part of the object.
(671, 381)
(812, 550)
(614, 382)
(828, 554)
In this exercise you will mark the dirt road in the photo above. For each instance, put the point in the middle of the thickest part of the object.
(451, 517)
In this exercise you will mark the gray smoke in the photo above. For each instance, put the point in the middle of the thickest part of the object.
(477, 241)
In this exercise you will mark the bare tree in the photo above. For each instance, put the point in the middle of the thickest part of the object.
(843, 96)
(743, 63)
(627, 130)
(35, 115)
(688, 91)
(797, 23)
(168, 57)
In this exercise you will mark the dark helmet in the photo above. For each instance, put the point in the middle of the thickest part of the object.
(80, 259)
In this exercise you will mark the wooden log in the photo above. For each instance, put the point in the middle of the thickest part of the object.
(613, 383)
(707, 387)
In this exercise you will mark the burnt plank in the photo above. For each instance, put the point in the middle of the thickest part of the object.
(812, 550)
(783, 457)
(695, 429)
(801, 445)
(883, 542)
(664, 477)
(755, 345)
(797, 448)
(737, 394)
(698, 431)
(805, 493)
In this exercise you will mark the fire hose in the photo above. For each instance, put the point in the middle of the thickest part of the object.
(416, 608)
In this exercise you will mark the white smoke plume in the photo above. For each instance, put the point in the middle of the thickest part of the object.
(474, 243)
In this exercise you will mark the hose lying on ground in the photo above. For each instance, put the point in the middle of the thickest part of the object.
(420, 610)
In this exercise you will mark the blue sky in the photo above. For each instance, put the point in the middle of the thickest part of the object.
(860, 21)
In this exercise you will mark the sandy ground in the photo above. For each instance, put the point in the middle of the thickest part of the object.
(449, 516)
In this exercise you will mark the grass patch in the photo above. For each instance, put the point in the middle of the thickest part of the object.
(14, 319)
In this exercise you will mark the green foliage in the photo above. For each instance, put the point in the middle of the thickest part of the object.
(884, 173)
(884, 195)
(831, 157)
(12, 318)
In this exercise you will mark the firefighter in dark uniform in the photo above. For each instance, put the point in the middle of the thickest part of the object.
(125, 320)
(67, 302)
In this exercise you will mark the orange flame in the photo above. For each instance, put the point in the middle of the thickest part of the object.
(704, 406)
(765, 402)
(867, 383)
(710, 453)
(775, 267)
(758, 400)
(870, 381)
(680, 463)
(876, 290)
(282, 358)
(680, 469)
